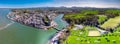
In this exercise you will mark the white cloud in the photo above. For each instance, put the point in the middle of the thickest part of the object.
(66, 4)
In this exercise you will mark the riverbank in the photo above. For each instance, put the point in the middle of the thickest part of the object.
(62, 34)
(29, 34)
(57, 19)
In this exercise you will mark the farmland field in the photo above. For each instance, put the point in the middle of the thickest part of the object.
(90, 34)
(80, 36)
(111, 23)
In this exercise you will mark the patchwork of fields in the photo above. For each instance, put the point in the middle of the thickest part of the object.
(109, 19)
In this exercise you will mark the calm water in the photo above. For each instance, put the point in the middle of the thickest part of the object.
(15, 33)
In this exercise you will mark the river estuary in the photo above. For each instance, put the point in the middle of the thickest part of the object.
(16, 33)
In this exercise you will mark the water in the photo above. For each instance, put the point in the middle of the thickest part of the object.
(15, 33)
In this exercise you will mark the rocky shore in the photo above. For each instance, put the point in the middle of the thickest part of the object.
(41, 20)
(59, 37)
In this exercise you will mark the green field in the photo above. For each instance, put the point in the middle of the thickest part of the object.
(80, 36)
(111, 23)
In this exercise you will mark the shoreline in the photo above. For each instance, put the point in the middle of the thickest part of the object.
(55, 38)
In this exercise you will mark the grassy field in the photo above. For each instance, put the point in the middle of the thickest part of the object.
(81, 37)
(111, 23)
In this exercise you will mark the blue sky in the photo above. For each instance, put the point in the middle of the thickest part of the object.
(58, 3)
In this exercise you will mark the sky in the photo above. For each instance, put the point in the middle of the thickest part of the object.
(59, 3)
